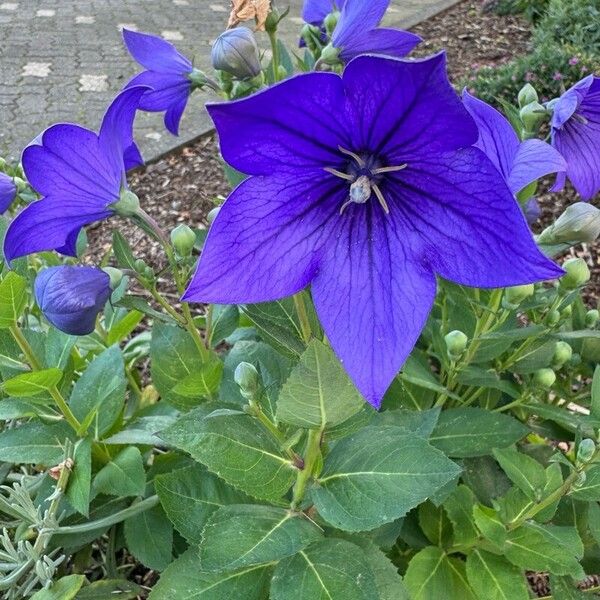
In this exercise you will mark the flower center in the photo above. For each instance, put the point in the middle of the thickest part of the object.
(364, 175)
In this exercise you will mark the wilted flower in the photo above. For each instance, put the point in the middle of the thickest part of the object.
(71, 297)
(80, 174)
(520, 163)
(8, 192)
(576, 135)
(244, 10)
(366, 186)
(357, 33)
(168, 74)
(236, 52)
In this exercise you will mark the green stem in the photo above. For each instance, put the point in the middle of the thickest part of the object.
(193, 330)
(313, 450)
(275, 52)
(35, 365)
(303, 316)
(256, 411)
(165, 304)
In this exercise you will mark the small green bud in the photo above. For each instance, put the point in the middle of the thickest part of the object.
(116, 276)
(330, 55)
(212, 215)
(591, 318)
(246, 376)
(19, 184)
(140, 266)
(575, 360)
(456, 343)
(527, 95)
(553, 317)
(544, 378)
(149, 273)
(577, 273)
(579, 223)
(513, 296)
(273, 19)
(532, 116)
(183, 239)
(586, 450)
(128, 204)
(330, 22)
(566, 312)
(562, 354)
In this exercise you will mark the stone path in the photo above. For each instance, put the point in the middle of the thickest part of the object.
(63, 60)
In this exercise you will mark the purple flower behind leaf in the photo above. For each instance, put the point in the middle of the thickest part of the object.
(576, 135)
(315, 11)
(71, 297)
(532, 210)
(8, 192)
(79, 175)
(367, 186)
(520, 163)
(168, 74)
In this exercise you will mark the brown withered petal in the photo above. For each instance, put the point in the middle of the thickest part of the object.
(244, 10)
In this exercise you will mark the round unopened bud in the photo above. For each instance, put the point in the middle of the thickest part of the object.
(116, 276)
(586, 450)
(212, 215)
(456, 343)
(577, 273)
(246, 376)
(331, 21)
(330, 55)
(580, 222)
(272, 20)
(562, 354)
(20, 184)
(566, 312)
(513, 296)
(591, 318)
(544, 378)
(532, 116)
(183, 239)
(527, 95)
(139, 265)
(553, 317)
(236, 52)
(127, 205)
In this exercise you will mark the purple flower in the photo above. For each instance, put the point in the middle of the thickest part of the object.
(80, 174)
(71, 297)
(366, 186)
(236, 52)
(315, 11)
(576, 135)
(168, 74)
(520, 163)
(8, 192)
(357, 32)
(532, 210)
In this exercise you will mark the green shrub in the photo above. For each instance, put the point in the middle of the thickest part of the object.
(531, 9)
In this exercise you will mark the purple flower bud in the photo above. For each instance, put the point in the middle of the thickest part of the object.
(71, 297)
(532, 210)
(8, 191)
(235, 51)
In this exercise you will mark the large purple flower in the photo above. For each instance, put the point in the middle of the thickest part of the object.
(576, 135)
(315, 11)
(367, 186)
(357, 32)
(521, 163)
(168, 74)
(80, 174)
(8, 192)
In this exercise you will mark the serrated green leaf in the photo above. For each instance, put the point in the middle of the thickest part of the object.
(65, 588)
(110, 589)
(459, 507)
(329, 569)
(149, 537)
(13, 297)
(80, 480)
(184, 580)
(468, 432)
(123, 476)
(435, 524)
(490, 525)
(318, 393)
(202, 384)
(494, 578)
(538, 356)
(377, 475)
(564, 589)
(123, 252)
(525, 472)
(389, 583)
(588, 490)
(419, 422)
(58, 348)
(32, 383)
(242, 535)
(225, 319)
(237, 448)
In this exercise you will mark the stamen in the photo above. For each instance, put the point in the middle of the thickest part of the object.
(381, 199)
(390, 169)
(337, 173)
(361, 163)
(360, 192)
(580, 118)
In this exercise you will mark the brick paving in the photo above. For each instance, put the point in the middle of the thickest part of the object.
(63, 60)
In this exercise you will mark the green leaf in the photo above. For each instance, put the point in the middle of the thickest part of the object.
(432, 574)
(389, 583)
(142, 430)
(184, 580)
(419, 422)
(123, 476)
(329, 569)
(318, 393)
(561, 415)
(225, 319)
(525, 472)
(594, 521)
(377, 475)
(537, 357)
(13, 297)
(65, 588)
(101, 390)
(32, 383)
(35, 442)
(490, 379)
(191, 495)
(242, 535)
(435, 524)
(595, 407)
(237, 448)
(58, 348)
(589, 490)
(546, 548)
(417, 374)
(80, 480)
(110, 589)
(490, 525)
(467, 432)
(123, 252)
(459, 507)
(149, 537)
(122, 328)
(494, 578)
(563, 589)
(203, 383)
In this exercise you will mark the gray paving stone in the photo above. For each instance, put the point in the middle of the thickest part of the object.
(63, 60)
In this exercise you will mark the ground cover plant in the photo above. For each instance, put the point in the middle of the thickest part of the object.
(377, 383)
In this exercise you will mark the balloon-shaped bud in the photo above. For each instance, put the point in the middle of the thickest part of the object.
(544, 378)
(527, 95)
(586, 450)
(514, 296)
(236, 52)
(8, 192)
(116, 276)
(456, 343)
(183, 239)
(577, 273)
(247, 378)
(591, 318)
(72, 297)
(562, 354)
(579, 223)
